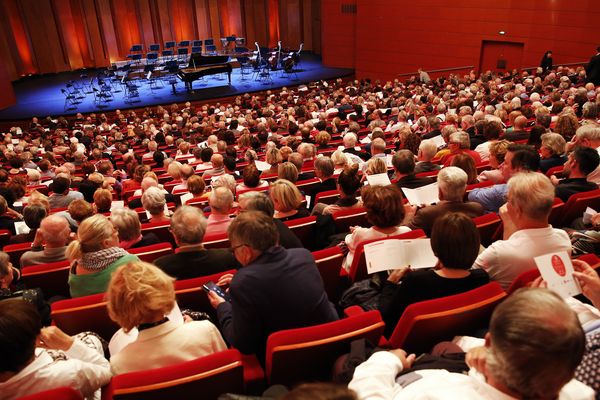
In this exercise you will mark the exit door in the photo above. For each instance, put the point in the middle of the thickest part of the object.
(497, 56)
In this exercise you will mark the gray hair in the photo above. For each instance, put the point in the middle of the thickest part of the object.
(220, 199)
(257, 201)
(588, 131)
(452, 182)
(536, 343)
(254, 229)
(462, 138)
(154, 200)
(127, 223)
(325, 165)
(188, 225)
(428, 148)
(226, 181)
(533, 193)
(554, 142)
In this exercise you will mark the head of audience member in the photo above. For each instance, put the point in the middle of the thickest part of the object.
(377, 146)
(6, 271)
(220, 200)
(534, 344)
(340, 161)
(455, 240)
(530, 200)
(33, 215)
(256, 201)
(188, 226)
(287, 171)
(217, 161)
(383, 205)
(186, 171)
(581, 162)
(153, 201)
(427, 150)
(553, 145)
(498, 150)
(519, 158)
(127, 224)
(285, 195)
(324, 168)
(20, 326)
(376, 166)
(492, 130)
(55, 231)
(93, 234)
(80, 209)
(452, 182)
(227, 181)
(251, 176)
(296, 159)
(458, 141)
(349, 140)
(322, 139)
(33, 177)
(467, 164)
(273, 157)
(588, 135)
(148, 182)
(196, 185)
(206, 154)
(60, 184)
(251, 233)
(139, 293)
(404, 162)
(349, 181)
(174, 170)
(307, 150)
(102, 201)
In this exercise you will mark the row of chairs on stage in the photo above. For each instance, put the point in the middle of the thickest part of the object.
(182, 49)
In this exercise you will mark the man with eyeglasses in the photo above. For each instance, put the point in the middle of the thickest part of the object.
(275, 289)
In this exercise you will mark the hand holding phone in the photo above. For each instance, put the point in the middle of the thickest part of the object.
(212, 287)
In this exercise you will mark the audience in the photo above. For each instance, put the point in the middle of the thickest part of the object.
(50, 242)
(580, 163)
(287, 201)
(220, 201)
(127, 224)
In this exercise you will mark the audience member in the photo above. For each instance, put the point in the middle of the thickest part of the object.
(50, 242)
(127, 224)
(404, 169)
(287, 201)
(220, 201)
(580, 163)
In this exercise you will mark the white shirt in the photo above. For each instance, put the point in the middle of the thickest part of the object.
(484, 151)
(85, 370)
(375, 379)
(504, 260)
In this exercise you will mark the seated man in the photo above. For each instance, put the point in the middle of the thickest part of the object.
(527, 233)
(534, 344)
(452, 182)
(217, 169)
(427, 150)
(275, 289)
(518, 132)
(220, 201)
(518, 158)
(581, 162)
(62, 195)
(404, 169)
(50, 242)
(188, 225)
(459, 144)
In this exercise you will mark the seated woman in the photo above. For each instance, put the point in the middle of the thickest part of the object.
(467, 164)
(287, 200)
(374, 166)
(137, 174)
(497, 152)
(141, 296)
(287, 171)
(26, 368)
(153, 201)
(196, 186)
(102, 201)
(455, 242)
(340, 161)
(274, 158)
(127, 223)
(385, 212)
(552, 151)
(251, 178)
(33, 215)
(94, 256)
(348, 183)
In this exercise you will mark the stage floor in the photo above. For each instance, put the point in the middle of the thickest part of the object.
(41, 96)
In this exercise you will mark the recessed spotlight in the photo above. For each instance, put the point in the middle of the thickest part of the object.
(502, 33)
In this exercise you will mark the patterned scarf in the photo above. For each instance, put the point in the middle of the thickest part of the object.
(99, 260)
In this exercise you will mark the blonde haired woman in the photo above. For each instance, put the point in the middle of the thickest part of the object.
(140, 295)
(94, 256)
(287, 200)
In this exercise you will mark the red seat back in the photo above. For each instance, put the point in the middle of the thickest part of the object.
(152, 252)
(344, 219)
(327, 197)
(15, 251)
(306, 354)
(303, 229)
(329, 262)
(577, 204)
(220, 241)
(61, 393)
(487, 225)
(52, 278)
(427, 323)
(207, 377)
(160, 229)
(190, 294)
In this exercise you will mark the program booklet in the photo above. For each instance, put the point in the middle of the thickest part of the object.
(395, 253)
(423, 195)
(557, 270)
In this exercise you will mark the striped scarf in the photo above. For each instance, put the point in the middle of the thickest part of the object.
(99, 260)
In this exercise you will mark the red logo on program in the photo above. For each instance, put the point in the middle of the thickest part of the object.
(558, 265)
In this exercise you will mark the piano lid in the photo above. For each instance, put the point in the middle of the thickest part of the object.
(197, 60)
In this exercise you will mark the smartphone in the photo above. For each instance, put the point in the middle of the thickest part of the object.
(212, 287)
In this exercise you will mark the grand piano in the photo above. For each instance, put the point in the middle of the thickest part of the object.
(201, 65)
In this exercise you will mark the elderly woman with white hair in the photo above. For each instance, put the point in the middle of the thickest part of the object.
(127, 223)
(552, 151)
(154, 201)
(142, 296)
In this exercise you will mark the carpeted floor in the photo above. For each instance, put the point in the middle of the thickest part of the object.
(41, 95)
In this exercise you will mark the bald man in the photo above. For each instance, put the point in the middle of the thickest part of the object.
(518, 131)
(217, 167)
(50, 242)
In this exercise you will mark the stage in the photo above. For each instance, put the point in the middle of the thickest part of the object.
(41, 96)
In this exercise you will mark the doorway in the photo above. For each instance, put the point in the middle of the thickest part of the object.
(499, 56)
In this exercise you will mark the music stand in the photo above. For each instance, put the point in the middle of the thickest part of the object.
(197, 43)
(154, 47)
(182, 54)
(209, 42)
(184, 43)
(196, 49)
(136, 48)
(151, 58)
